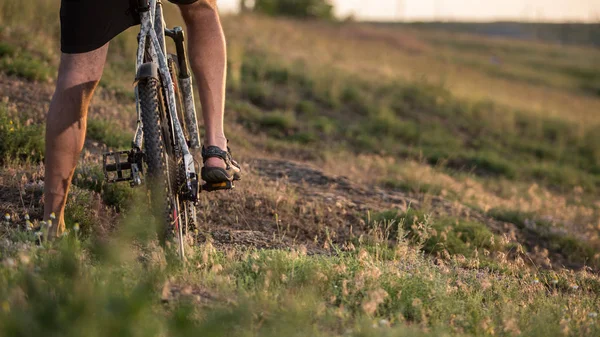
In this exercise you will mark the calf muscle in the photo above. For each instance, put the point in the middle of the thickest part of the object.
(78, 77)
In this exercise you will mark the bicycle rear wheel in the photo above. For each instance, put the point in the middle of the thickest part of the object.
(187, 208)
(159, 157)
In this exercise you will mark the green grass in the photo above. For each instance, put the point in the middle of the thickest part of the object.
(563, 33)
(278, 123)
(412, 186)
(7, 50)
(17, 62)
(276, 293)
(109, 133)
(26, 67)
(79, 210)
(437, 236)
(18, 140)
(420, 119)
(91, 178)
(548, 235)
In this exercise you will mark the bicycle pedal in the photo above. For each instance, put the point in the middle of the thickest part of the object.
(225, 185)
(121, 166)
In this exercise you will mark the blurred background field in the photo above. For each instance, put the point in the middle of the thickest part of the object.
(464, 154)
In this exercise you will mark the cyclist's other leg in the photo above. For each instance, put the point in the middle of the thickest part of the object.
(207, 53)
(78, 76)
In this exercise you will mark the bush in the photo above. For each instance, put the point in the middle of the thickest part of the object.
(23, 64)
(20, 140)
(278, 123)
(453, 235)
(108, 133)
(321, 9)
(547, 235)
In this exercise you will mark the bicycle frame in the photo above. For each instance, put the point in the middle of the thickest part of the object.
(153, 33)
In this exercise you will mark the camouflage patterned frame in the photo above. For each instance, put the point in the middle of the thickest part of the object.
(152, 40)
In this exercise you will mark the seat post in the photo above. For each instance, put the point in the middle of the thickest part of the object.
(143, 6)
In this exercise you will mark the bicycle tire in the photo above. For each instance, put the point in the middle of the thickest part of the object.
(156, 143)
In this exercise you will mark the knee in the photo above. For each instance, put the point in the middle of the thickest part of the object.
(79, 78)
(200, 8)
(81, 73)
(69, 106)
(206, 4)
(76, 96)
(81, 89)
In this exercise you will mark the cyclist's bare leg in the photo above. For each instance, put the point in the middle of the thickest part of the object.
(207, 52)
(78, 76)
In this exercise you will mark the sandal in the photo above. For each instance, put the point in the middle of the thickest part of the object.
(231, 172)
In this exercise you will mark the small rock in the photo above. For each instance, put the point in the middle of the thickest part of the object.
(384, 323)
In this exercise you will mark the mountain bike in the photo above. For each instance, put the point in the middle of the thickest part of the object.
(160, 157)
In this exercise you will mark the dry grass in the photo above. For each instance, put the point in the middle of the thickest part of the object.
(381, 53)
(371, 289)
(439, 260)
(537, 208)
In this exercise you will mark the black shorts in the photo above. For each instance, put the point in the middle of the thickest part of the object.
(86, 25)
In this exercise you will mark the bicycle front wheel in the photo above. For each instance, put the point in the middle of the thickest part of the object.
(158, 152)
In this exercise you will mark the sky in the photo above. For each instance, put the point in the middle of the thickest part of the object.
(473, 10)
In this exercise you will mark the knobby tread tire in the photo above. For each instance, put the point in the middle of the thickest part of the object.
(155, 153)
(153, 142)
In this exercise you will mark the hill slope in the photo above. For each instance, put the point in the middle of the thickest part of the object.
(399, 182)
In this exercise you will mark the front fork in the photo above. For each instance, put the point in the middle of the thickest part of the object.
(187, 93)
(189, 112)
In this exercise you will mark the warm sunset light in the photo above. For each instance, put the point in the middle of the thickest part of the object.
(291, 168)
(464, 10)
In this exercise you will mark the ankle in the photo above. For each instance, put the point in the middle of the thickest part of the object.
(220, 141)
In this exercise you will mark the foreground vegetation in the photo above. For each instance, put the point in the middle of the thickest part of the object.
(371, 289)
(468, 204)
